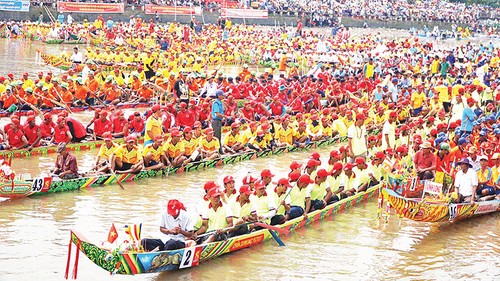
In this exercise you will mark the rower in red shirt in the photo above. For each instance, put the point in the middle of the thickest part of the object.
(184, 117)
(47, 127)
(102, 125)
(32, 132)
(137, 124)
(120, 125)
(15, 135)
(61, 132)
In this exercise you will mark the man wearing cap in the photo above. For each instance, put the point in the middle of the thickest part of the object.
(209, 145)
(281, 200)
(468, 117)
(232, 140)
(243, 211)
(301, 137)
(32, 132)
(127, 158)
(319, 191)
(105, 152)
(466, 182)
(177, 226)
(102, 125)
(191, 146)
(15, 136)
(66, 166)
(153, 125)
(443, 163)
(154, 155)
(425, 162)
(389, 131)
(336, 182)
(136, 124)
(356, 134)
(299, 198)
(473, 158)
(61, 132)
(174, 149)
(218, 115)
(215, 218)
(363, 175)
(485, 186)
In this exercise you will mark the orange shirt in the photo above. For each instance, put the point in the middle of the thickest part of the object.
(111, 94)
(67, 96)
(92, 85)
(145, 92)
(81, 92)
(136, 84)
(8, 101)
(31, 99)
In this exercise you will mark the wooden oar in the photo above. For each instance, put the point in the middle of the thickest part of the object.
(62, 100)
(117, 180)
(38, 111)
(53, 101)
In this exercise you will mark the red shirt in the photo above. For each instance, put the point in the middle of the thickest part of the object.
(422, 162)
(118, 125)
(184, 118)
(137, 126)
(15, 138)
(101, 127)
(31, 133)
(47, 129)
(61, 134)
(78, 127)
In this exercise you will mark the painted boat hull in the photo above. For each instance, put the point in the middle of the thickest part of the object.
(422, 211)
(24, 188)
(150, 262)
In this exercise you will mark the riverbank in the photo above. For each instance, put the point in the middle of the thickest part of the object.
(212, 18)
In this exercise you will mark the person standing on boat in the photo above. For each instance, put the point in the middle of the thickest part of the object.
(66, 166)
(177, 226)
(466, 182)
(218, 116)
(153, 125)
(356, 134)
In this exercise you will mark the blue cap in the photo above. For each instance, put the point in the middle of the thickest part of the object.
(441, 135)
(219, 93)
(461, 141)
(497, 131)
(482, 133)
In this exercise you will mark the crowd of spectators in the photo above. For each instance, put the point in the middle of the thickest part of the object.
(328, 12)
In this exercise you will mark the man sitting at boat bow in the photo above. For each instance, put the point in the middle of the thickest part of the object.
(66, 166)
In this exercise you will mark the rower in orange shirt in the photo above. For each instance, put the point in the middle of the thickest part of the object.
(8, 98)
(136, 83)
(81, 92)
(443, 162)
(245, 73)
(66, 94)
(144, 93)
(111, 95)
(29, 98)
(46, 97)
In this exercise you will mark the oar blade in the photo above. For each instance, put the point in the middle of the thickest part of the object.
(275, 236)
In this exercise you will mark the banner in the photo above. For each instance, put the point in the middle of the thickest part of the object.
(97, 8)
(433, 187)
(172, 10)
(16, 6)
(244, 13)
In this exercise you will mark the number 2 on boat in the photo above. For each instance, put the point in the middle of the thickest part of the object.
(191, 257)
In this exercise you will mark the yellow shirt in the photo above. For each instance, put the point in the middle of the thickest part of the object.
(190, 146)
(132, 157)
(174, 150)
(285, 136)
(211, 145)
(155, 153)
(217, 219)
(418, 99)
(443, 93)
(298, 196)
(230, 139)
(106, 152)
(154, 125)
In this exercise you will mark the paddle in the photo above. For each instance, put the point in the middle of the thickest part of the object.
(63, 105)
(35, 109)
(62, 100)
(117, 180)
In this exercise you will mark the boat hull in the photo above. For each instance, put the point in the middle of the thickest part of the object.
(424, 211)
(25, 188)
(138, 263)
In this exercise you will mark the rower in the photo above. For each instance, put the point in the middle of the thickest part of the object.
(75, 127)
(61, 132)
(336, 183)
(47, 128)
(102, 125)
(136, 125)
(174, 149)
(281, 200)
(299, 198)
(425, 161)
(266, 177)
(259, 143)
(66, 166)
(105, 152)
(301, 138)
(120, 125)
(209, 145)
(311, 167)
(485, 185)
(127, 158)
(243, 211)
(154, 155)
(232, 140)
(295, 166)
(32, 132)
(229, 195)
(319, 192)
(364, 177)
(215, 218)
(15, 136)
(191, 146)
(177, 226)
(264, 204)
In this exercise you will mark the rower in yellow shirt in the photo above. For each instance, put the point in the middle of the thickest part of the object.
(127, 158)
(209, 145)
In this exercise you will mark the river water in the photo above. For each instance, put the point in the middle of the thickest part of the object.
(353, 245)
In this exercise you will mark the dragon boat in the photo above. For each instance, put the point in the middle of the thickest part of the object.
(46, 185)
(57, 110)
(436, 210)
(131, 263)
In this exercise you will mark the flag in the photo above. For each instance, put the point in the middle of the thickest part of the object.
(134, 231)
(112, 235)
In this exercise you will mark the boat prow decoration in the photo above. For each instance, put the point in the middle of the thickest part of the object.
(427, 210)
(130, 263)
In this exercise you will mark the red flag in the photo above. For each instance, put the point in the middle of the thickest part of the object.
(112, 235)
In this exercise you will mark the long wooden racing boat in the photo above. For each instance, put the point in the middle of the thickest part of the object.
(46, 185)
(131, 263)
(57, 110)
(437, 211)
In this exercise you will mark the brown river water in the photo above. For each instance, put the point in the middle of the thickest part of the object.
(353, 245)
